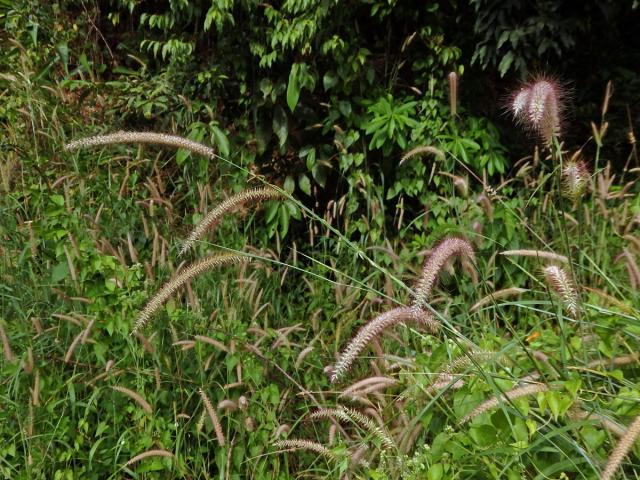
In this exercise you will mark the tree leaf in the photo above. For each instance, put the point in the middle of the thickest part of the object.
(294, 86)
(280, 125)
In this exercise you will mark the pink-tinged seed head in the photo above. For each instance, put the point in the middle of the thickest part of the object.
(520, 101)
(575, 178)
(537, 106)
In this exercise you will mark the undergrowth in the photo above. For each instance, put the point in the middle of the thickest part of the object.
(140, 341)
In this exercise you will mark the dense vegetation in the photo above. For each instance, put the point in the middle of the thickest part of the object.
(433, 275)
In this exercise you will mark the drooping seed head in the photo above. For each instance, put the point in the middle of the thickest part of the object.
(445, 250)
(373, 329)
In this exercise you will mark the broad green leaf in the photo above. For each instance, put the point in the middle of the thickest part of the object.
(280, 125)
(304, 183)
(293, 87)
(222, 141)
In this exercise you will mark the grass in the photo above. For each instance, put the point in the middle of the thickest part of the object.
(89, 237)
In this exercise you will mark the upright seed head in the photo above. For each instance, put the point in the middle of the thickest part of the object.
(453, 92)
(560, 281)
(575, 178)
(538, 107)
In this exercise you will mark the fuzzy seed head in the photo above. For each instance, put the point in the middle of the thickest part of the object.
(150, 453)
(622, 448)
(560, 282)
(512, 394)
(189, 273)
(232, 204)
(445, 250)
(520, 101)
(351, 415)
(537, 106)
(373, 329)
(217, 426)
(575, 178)
(302, 444)
(122, 137)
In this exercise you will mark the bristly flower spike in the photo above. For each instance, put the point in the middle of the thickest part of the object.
(560, 281)
(445, 250)
(374, 328)
(520, 102)
(231, 204)
(575, 178)
(189, 273)
(537, 105)
(622, 448)
(121, 137)
(453, 93)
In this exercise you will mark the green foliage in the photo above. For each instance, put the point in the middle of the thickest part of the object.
(323, 101)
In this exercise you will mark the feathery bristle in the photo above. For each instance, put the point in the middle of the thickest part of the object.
(420, 150)
(189, 273)
(373, 329)
(353, 416)
(217, 426)
(555, 257)
(621, 449)
(233, 203)
(301, 444)
(519, 102)
(442, 252)
(134, 396)
(143, 137)
(575, 178)
(453, 93)
(537, 106)
(560, 281)
(492, 403)
(150, 453)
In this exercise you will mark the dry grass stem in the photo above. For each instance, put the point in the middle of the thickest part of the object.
(189, 273)
(232, 204)
(374, 328)
(134, 396)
